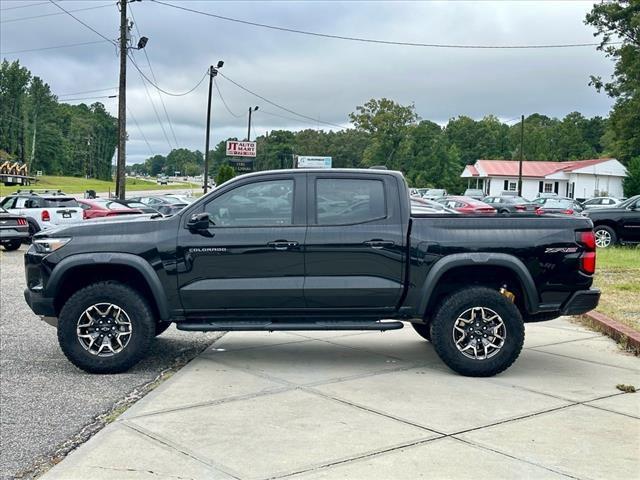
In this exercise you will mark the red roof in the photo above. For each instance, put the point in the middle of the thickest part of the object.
(530, 168)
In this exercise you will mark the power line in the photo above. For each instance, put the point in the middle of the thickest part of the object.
(165, 91)
(275, 104)
(315, 122)
(223, 100)
(86, 98)
(164, 107)
(81, 22)
(23, 6)
(155, 111)
(371, 40)
(140, 131)
(52, 48)
(12, 20)
(87, 91)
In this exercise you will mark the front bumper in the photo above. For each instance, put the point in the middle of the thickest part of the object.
(581, 302)
(40, 304)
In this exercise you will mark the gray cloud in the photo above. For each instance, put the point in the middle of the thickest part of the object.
(322, 78)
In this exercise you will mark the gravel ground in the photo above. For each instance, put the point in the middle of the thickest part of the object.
(44, 399)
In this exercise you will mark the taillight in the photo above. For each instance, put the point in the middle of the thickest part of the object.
(568, 211)
(45, 216)
(84, 214)
(22, 221)
(539, 211)
(588, 257)
(521, 208)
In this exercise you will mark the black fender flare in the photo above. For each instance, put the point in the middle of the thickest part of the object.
(456, 260)
(106, 258)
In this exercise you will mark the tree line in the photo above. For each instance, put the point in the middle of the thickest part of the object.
(55, 138)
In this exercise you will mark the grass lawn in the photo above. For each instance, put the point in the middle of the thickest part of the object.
(618, 276)
(80, 185)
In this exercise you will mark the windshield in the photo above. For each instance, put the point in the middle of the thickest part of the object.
(558, 203)
(629, 202)
(61, 202)
(173, 200)
(436, 191)
(515, 200)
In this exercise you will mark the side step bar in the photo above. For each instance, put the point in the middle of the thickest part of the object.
(269, 326)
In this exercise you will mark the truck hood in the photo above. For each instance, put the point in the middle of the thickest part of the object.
(116, 225)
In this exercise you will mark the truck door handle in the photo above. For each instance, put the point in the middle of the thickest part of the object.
(282, 244)
(379, 244)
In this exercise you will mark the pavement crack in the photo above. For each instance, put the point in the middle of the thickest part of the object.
(151, 472)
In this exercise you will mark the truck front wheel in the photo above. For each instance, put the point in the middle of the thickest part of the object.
(106, 327)
(477, 332)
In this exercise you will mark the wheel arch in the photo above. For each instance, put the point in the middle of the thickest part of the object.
(479, 269)
(78, 271)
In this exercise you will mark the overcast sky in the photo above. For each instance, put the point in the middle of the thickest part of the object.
(322, 78)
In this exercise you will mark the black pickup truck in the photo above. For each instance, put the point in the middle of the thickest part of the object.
(310, 250)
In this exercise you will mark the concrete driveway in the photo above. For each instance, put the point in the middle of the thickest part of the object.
(378, 406)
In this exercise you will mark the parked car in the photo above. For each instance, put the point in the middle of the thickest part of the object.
(618, 224)
(102, 207)
(14, 229)
(180, 198)
(135, 204)
(466, 205)
(466, 283)
(600, 202)
(562, 206)
(547, 195)
(433, 193)
(163, 204)
(43, 208)
(162, 180)
(420, 206)
(510, 204)
(474, 193)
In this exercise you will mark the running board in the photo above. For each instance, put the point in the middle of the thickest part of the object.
(269, 326)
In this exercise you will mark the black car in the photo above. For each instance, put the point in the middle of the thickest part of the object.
(309, 249)
(165, 205)
(619, 224)
(505, 204)
(14, 229)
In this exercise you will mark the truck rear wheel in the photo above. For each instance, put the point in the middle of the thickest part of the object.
(477, 332)
(106, 327)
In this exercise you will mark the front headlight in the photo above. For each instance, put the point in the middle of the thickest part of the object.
(48, 245)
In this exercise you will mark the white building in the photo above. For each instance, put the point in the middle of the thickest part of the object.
(576, 179)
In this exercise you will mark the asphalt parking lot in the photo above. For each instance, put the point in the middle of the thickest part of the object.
(44, 399)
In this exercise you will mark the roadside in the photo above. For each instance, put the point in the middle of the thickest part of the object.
(44, 400)
(618, 276)
(80, 185)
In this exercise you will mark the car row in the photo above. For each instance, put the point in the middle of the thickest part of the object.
(44, 209)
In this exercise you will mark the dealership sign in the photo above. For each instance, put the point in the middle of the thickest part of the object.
(314, 162)
(241, 149)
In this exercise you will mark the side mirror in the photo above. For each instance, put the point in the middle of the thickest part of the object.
(199, 222)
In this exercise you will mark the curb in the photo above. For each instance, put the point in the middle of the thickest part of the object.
(615, 329)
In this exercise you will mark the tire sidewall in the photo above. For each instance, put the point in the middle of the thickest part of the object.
(142, 326)
(458, 303)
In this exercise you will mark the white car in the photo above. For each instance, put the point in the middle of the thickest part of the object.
(43, 208)
(600, 202)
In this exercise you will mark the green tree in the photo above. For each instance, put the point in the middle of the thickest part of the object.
(620, 21)
(631, 184)
(225, 172)
(387, 123)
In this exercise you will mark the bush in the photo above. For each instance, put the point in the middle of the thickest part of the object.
(631, 184)
(225, 172)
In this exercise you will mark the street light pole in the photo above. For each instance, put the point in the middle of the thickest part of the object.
(213, 71)
(249, 126)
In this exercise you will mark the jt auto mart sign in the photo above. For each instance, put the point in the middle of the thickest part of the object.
(241, 149)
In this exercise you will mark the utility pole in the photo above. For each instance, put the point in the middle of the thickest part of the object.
(122, 104)
(521, 155)
(249, 127)
(213, 71)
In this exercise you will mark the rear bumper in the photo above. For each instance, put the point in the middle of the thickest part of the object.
(6, 235)
(40, 304)
(581, 302)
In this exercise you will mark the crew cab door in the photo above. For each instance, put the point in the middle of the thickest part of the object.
(630, 222)
(251, 257)
(355, 242)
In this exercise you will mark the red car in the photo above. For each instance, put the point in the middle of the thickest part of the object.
(102, 207)
(466, 205)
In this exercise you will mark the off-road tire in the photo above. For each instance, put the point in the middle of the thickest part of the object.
(162, 327)
(453, 307)
(423, 329)
(12, 245)
(142, 322)
(610, 231)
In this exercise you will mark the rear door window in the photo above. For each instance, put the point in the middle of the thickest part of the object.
(61, 202)
(347, 201)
